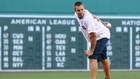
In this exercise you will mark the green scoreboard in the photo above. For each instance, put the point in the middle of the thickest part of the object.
(123, 49)
(43, 42)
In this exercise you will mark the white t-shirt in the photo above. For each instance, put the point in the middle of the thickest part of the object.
(89, 24)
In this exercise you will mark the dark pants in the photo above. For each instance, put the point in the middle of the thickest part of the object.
(100, 51)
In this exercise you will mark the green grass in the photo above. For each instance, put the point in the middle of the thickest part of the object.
(67, 75)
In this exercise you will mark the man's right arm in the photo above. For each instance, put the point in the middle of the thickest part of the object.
(92, 37)
(104, 23)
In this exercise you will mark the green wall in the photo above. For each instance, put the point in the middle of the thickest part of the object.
(66, 6)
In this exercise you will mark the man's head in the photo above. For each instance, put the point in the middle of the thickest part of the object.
(79, 9)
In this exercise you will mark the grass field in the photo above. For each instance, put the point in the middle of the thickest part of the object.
(68, 75)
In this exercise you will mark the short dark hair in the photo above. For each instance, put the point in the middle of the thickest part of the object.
(78, 3)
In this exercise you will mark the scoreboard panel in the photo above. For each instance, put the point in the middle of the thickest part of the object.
(41, 43)
(35, 42)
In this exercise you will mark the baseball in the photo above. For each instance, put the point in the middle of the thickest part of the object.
(108, 25)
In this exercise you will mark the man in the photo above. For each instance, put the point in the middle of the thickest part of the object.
(97, 34)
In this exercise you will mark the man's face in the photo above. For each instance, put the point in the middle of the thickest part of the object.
(79, 10)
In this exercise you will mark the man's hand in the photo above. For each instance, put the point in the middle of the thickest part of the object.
(88, 53)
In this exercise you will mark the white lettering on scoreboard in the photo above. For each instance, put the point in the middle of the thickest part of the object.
(17, 51)
(61, 22)
(109, 51)
(6, 50)
(60, 53)
(48, 50)
(137, 47)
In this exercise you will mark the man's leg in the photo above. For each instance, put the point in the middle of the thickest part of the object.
(106, 67)
(93, 68)
(100, 47)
